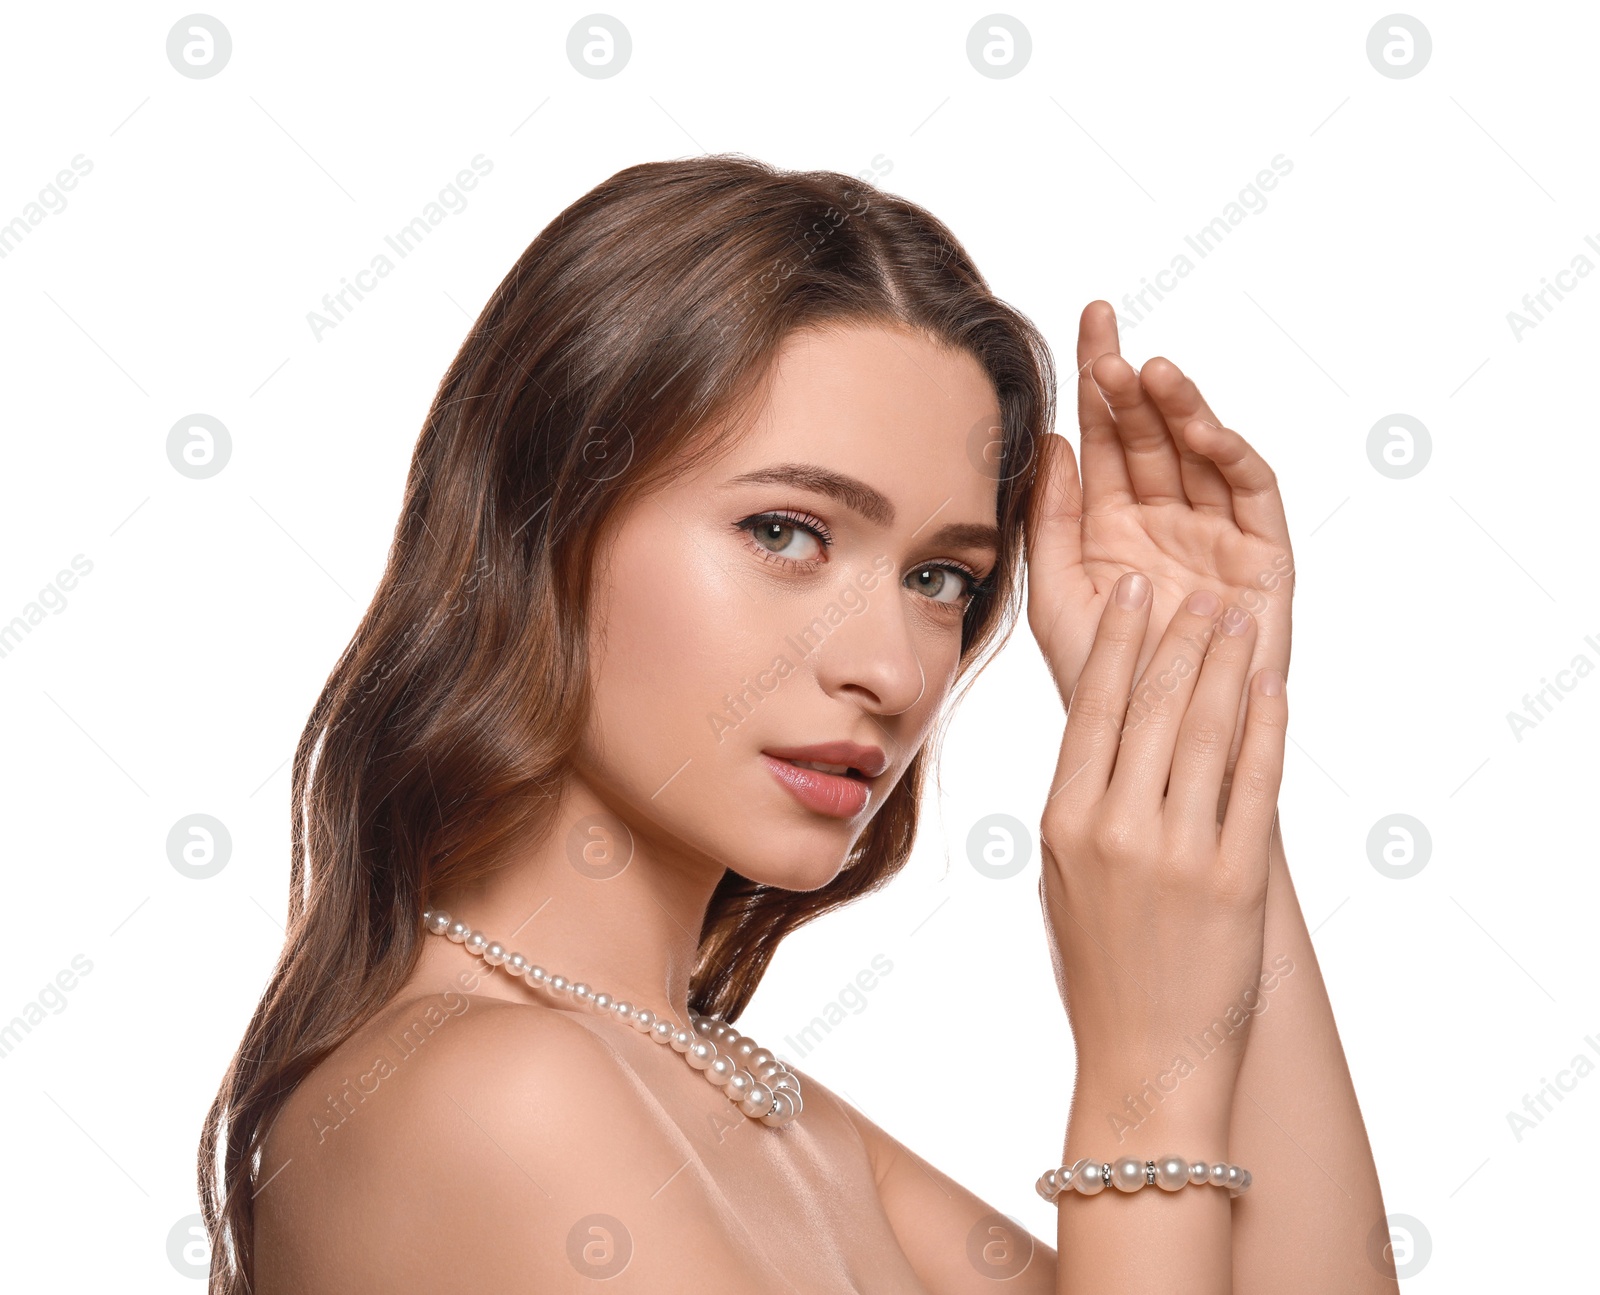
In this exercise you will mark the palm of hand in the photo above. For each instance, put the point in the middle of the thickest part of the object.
(1190, 505)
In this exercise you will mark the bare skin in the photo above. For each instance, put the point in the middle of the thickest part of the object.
(504, 1122)
(1194, 506)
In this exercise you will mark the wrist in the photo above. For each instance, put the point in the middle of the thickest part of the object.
(1110, 1119)
(1170, 1171)
(1197, 1078)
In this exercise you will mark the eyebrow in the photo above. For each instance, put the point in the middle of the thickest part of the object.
(861, 498)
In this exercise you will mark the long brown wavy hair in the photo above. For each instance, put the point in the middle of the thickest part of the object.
(627, 341)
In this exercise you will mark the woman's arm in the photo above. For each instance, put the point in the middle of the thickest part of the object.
(1153, 918)
(1307, 1222)
(1156, 919)
(956, 1242)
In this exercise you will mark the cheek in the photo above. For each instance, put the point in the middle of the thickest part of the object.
(688, 631)
(946, 661)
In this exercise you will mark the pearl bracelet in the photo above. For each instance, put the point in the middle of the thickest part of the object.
(1129, 1174)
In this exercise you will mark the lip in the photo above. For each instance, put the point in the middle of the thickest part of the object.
(870, 760)
(834, 794)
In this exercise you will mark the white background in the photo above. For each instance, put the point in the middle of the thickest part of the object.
(1377, 280)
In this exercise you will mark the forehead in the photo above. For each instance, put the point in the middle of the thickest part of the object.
(885, 404)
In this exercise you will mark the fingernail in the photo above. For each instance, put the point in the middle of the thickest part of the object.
(1202, 602)
(1132, 590)
(1235, 620)
(1271, 683)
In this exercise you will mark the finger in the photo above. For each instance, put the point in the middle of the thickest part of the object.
(1106, 484)
(1060, 592)
(1179, 401)
(1159, 702)
(1053, 534)
(1253, 486)
(1100, 700)
(1205, 734)
(1147, 444)
(1253, 796)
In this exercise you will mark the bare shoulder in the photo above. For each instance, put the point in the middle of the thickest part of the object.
(845, 1126)
(939, 1223)
(511, 1141)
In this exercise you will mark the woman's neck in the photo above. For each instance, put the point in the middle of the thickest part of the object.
(595, 900)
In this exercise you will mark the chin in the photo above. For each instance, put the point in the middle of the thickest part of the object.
(793, 874)
(778, 843)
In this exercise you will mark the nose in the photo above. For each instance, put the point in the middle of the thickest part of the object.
(871, 656)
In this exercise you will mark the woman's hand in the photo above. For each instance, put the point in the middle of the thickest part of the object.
(1154, 911)
(1190, 506)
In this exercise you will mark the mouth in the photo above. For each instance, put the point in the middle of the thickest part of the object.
(840, 759)
(838, 791)
(842, 770)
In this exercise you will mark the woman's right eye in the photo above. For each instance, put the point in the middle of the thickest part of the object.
(785, 539)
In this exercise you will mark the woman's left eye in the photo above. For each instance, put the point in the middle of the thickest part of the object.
(941, 584)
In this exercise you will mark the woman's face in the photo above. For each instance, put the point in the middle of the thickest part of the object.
(807, 588)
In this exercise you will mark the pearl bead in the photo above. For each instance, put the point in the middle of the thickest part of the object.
(1086, 1178)
(750, 1076)
(1127, 1174)
(1171, 1173)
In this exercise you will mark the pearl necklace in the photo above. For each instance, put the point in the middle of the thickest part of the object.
(754, 1080)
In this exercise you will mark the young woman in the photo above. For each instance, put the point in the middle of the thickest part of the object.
(732, 482)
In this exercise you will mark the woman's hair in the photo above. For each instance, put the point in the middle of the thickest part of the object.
(627, 343)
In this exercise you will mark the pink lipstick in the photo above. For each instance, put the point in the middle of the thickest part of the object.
(840, 791)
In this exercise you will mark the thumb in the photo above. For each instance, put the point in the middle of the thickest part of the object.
(1060, 594)
(1054, 530)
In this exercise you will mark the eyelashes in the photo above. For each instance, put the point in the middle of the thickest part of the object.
(805, 523)
(758, 525)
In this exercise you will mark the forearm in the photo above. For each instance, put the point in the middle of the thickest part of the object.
(1152, 1240)
(1306, 1223)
